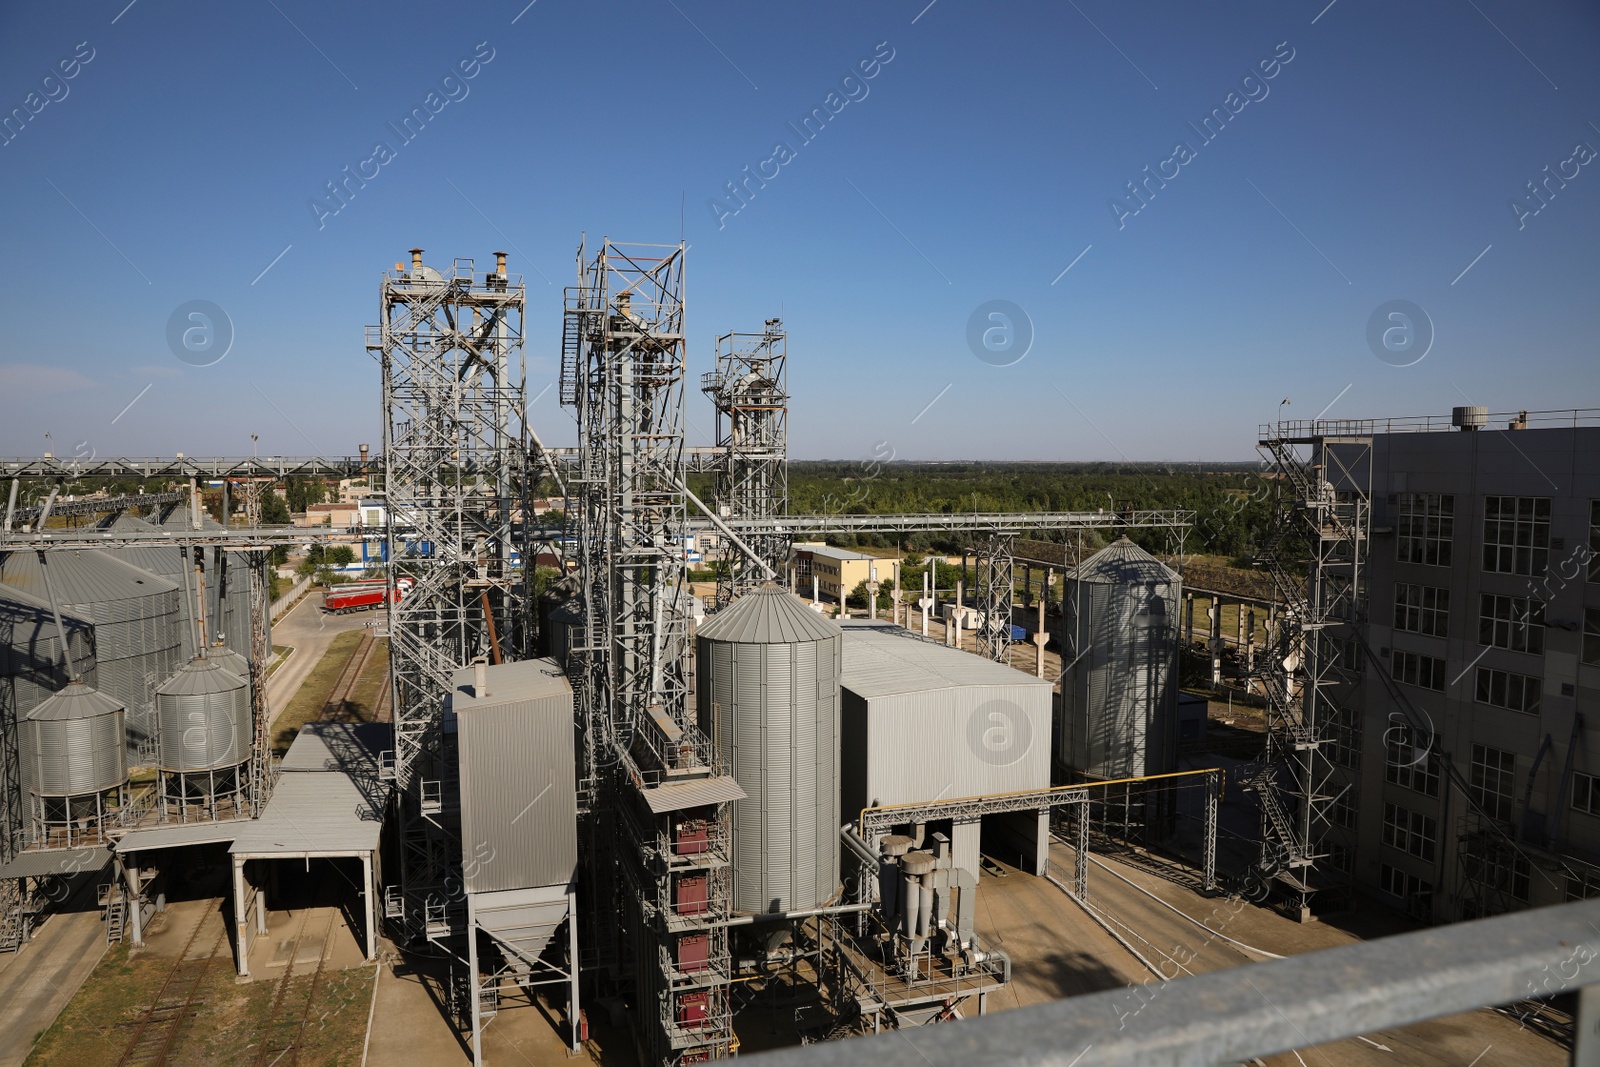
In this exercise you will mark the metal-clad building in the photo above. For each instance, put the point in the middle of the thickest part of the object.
(137, 625)
(227, 593)
(769, 699)
(921, 722)
(518, 783)
(1120, 641)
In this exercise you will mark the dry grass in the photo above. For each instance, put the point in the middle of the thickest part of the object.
(307, 703)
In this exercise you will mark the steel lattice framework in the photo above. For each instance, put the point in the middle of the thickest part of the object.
(750, 391)
(994, 595)
(1316, 553)
(623, 367)
(454, 448)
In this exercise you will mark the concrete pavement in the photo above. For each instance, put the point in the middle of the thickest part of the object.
(310, 632)
(37, 982)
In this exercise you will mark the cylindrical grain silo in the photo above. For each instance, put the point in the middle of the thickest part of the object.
(1120, 688)
(74, 765)
(31, 670)
(136, 623)
(203, 719)
(768, 690)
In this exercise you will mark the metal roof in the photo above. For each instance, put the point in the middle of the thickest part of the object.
(76, 701)
(509, 683)
(350, 748)
(22, 614)
(768, 615)
(881, 659)
(63, 861)
(675, 796)
(1122, 562)
(316, 813)
(200, 677)
(837, 553)
(176, 516)
(82, 578)
(199, 833)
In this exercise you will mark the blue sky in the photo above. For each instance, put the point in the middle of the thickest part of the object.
(1378, 163)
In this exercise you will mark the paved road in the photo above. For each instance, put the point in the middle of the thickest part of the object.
(37, 982)
(310, 631)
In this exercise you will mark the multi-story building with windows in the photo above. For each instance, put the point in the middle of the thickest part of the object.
(1481, 607)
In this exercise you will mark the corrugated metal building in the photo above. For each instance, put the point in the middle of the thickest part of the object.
(921, 722)
(1119, 692)
(768, 698)
(137, 625)
(518, 782)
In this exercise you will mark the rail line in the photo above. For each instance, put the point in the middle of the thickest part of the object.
(334, 706)
(157, 1028)
(290, 1033)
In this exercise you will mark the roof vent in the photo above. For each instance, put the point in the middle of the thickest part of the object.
(1469, 418)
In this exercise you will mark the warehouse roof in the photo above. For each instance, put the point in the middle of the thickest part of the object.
(349, 747)
(323, 813)
(834, 553)
(62, 861)
(881, 659)
(181, 835)
(768, 615)
(508, 683)
(1122, 562)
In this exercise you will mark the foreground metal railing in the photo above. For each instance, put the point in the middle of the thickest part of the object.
(1231, 1016)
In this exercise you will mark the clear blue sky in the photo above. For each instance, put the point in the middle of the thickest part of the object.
(180, 160)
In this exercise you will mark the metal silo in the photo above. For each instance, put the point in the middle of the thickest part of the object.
(136, 624)
(204, 722)
(769, 699)
(74, 765)
(1120, 689)
(30, 652)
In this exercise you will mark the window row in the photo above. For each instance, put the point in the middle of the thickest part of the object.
(1516, 533)
(1410, 831)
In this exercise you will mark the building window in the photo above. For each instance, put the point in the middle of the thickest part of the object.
(1422, 609)
(1341, 858)
(1516, 534)
(1594, 540)
(1403, 885)
(1342, 812)
(1426, 528)
(1504, 689)
(1409, 831)
(1586, 793)
(1584, 886)
(1500, 870)
(1591, 635)
(1513, 622)
(1415, 669)
(1493, 772)
(1411, 767)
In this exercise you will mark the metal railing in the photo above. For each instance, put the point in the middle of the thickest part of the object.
(1260, 1009)
(1496, 420)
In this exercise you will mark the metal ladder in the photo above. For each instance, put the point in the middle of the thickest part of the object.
(116, 917)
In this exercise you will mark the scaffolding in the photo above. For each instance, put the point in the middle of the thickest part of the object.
(994, 594)
(1316, 554)
(454, 448)
(749, 389)
(622, 370)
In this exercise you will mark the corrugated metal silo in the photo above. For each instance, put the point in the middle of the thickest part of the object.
(1119, 692)
(136, 623)
(30, 652)
(769, 699)
(72, 744)
(203, 718)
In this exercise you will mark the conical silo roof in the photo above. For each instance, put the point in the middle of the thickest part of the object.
(200, 677)
(1122, 562)
(83, 578)
(75, 701)
(768, 615)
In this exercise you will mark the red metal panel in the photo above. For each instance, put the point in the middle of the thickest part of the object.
(691, 894)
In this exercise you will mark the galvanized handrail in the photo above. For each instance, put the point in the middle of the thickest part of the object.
(1231, 1016)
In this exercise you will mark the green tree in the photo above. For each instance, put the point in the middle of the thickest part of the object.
(341, 555)
(274, 510)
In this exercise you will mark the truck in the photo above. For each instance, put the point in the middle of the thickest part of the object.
(361, 596)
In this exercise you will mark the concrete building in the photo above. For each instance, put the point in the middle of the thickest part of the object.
(837, 571)
(1482, 591)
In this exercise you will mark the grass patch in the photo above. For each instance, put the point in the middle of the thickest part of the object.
(307, 703)
(229, 1021)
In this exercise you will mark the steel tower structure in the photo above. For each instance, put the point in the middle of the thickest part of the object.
(454, 448)
(750, 391)
(664, 862)
(1316, 553)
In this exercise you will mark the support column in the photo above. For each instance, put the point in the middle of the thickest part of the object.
(472, 984)
(241, 921)
(1209, 833)
(135, 904)
(1080, 862)
(574, 1007)
(1188, 620)
(1214, 617)
(369, 894)
(1250, 645)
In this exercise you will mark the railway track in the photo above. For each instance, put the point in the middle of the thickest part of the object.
(283, 1034)
(156, 1031)
(333, 708)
